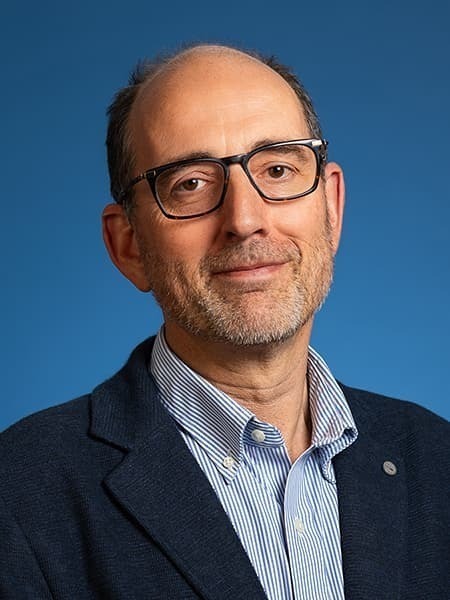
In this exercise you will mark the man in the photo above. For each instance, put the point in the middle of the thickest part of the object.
(224, 461)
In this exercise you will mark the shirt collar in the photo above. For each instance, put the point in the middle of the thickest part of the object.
(221, 426)
(333, 426)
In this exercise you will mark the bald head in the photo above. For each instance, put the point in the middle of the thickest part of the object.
(203, 56)
(207, 70)
(209, 52)
(201, 73)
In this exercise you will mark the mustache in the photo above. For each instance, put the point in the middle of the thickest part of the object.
(254, 252)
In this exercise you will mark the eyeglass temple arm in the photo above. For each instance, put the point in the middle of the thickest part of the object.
(133, 182)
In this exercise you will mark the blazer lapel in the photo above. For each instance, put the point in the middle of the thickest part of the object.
(161, 485)
(373, 509)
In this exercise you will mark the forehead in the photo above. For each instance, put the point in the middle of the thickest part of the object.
(220, 103)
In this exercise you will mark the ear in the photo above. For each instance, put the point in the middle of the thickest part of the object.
(335, 198)
(120, 241)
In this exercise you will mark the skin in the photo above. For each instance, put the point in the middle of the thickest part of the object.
(250, 255)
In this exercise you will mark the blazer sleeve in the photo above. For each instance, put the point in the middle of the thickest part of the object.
(20, 575)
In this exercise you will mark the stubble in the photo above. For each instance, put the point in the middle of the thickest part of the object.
(241, 314)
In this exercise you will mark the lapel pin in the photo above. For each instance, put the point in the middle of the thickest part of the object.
(389, 468)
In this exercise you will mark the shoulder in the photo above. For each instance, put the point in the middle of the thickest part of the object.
(391, 410)
(50, 461)
(415, 429)
(65, 424)
(376, 402)
(71, 445)
(45, 434)
(65, 415)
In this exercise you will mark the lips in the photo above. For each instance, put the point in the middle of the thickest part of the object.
(256, 258)
(248, 267)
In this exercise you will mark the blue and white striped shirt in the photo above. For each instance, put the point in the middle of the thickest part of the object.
(286, 515)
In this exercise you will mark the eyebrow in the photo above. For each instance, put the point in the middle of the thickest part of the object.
(198, 154)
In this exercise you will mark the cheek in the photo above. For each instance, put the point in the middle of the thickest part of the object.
(177, 241)
(303, 220)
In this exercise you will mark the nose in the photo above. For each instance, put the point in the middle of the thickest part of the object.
(244, 213)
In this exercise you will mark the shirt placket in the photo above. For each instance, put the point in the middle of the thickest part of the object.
(304, 538)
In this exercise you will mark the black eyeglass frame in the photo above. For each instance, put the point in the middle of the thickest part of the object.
(318, 146)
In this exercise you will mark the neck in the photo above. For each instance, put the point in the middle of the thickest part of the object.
(268, 380)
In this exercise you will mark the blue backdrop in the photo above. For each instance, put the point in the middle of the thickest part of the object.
(379, 75)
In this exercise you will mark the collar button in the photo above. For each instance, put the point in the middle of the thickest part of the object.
(228, 462)
(258, 435)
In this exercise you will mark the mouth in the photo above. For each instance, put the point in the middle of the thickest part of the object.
(255, 270)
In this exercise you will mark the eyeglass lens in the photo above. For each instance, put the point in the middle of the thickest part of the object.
(279, 173)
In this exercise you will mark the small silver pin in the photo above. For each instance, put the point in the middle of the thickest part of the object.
(389, 468)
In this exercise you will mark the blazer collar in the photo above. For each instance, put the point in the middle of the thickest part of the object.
(161, 486)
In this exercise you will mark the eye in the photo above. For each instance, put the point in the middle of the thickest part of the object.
(189, 182)
(192, 184)
(277, 171)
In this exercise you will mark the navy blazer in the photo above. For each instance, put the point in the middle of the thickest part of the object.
(101, 498)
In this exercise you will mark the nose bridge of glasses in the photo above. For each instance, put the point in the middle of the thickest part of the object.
(237, 159)
(243, 211)
(244, 182)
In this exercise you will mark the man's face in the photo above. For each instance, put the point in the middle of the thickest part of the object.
(252, 272)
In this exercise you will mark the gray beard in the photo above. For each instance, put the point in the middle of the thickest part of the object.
(236, 316)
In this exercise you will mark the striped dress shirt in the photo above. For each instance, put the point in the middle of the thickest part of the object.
(286, 515)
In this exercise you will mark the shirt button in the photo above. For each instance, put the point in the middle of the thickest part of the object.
(299, 527)
(228, 462)
(258, 435)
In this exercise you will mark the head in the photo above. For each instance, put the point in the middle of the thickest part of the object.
(120, 152)
(253, 271)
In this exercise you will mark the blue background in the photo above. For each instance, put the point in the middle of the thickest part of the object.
(379, 75)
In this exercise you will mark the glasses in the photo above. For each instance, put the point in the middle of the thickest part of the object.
(195, 187)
